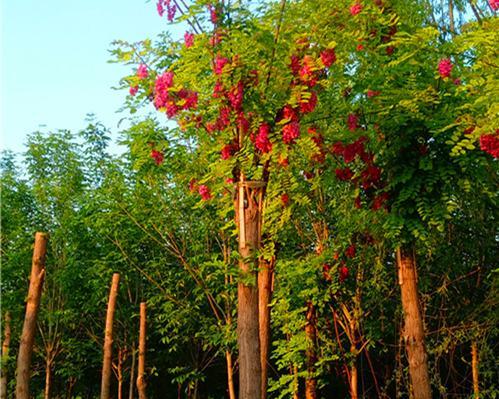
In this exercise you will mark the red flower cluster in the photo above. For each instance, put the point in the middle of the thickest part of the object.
(204, 192)
(344, 273)
(290, 132)
(171, 101)
(490, 144)
(133, 90)
(236, 95)
(307, 105)
(142, 71)
(356, 9)
(352, 122)
(213, 14)
(373, 93)
(229, 150)
(445, 68)
(285, 199)
(344, 174)
(380, 200)
(328, 57)
(157, 156)
(494, 4)
(170, 9)
(188, 39)
(350, 251)
(220, 62)
(262, 141)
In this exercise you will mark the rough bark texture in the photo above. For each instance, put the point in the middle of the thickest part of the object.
(265, 274)
(474, 369)
(413, 324)
(5, 356)
(249, 217)
(230, 375)
(311, 333)
(108, 339)
(32, 306)
(141, 381)
(48, 379)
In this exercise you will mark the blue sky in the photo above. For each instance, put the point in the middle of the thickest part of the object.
(54, 67)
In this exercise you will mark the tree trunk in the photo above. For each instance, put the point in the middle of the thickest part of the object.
(132, 374)
(296, 386)
(413, 324)
(354, 381)
(141, 381)
(32, 306)
(5, 357)
(249, 217)
(108, 339)
(119, 371)
(311, 333)
(474, 369)
(230, 375)
(264, 297)
(48, 377)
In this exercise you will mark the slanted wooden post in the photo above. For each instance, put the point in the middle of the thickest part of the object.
(32, 305)
(141, 380)
(248, 204)
(5, 356)
(108, 339)
(265, 275)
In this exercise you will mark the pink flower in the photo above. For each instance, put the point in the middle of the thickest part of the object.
(236, 96)
(213, 14)
(308, 105)
(356, 9)
(188, 39)
(328, 57)
(142, 71)
(360, 47)
(218, 90)
(373, 93)
(445, 68)
(229, 180)
(205, 192)
(220, 62)
(352, 122)
(171, 109)
(190, 98)
(157, 156)
(215, 39)
(490, 144)
(290, 132)
(262, 141)
(159, 7)
(494, 4)
(133, 90)
(171, 12)
(161, 86)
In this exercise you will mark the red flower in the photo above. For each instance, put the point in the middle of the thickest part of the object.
(308, 105)
(344, 174)
(350, 251)
(204, 192)
(357, 202)
(161, 86)
(344, 272)
(379, 201)
(338, 148)
(242, 122)
(213, 14)
(445, 68)
(328, 57)
(290, 132)
(390, 50)
(262, 141)
(490, 144)
(359, 47)
(220, 62)
(236, 96)
(325, 271)
(142, 71)
(218, 90)
(373, 93)
(295, 64)
(356, 9)
(229, 180)
(229, 150)
(284, 162)
(285, 199)
(494, 4)
(188, 39)
(133, 90)
(157, 156)
(193, 184)
(352, 122)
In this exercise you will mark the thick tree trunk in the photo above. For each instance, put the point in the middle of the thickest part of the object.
(230, 375)
(108, 339)
(311, 334)
(5, 357)
(474, 370)
(32, 306)
(132, 374)
(354, 381)
(413, 324)
(141, 380)
(48, 378)
(249, 217)
(265, 274)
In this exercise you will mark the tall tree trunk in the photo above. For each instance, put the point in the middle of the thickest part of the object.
(265, 274)
(413, 324)
(249, 217)
(132, 374)
(108, 339)
(141, 380)
(32, 306)
(5, 357)
(311, 334)
(230, 375)
(474, 370)
(48, 377)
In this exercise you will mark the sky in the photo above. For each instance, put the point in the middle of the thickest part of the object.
(54, 62)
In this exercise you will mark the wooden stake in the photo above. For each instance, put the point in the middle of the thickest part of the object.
(141, 381)
(474, 369)
(413, 324)
(108, 339)
(5, 357)
(265, 273)
(32, 305)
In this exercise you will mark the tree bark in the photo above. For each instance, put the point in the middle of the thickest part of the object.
(413, 324)
(141, 381)
(265, 274)
(474, 369)
(32, 306)
(108, 339)
(230, 375)
(48, 378)
(5, 357)
(311, 334)
(249, 217)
